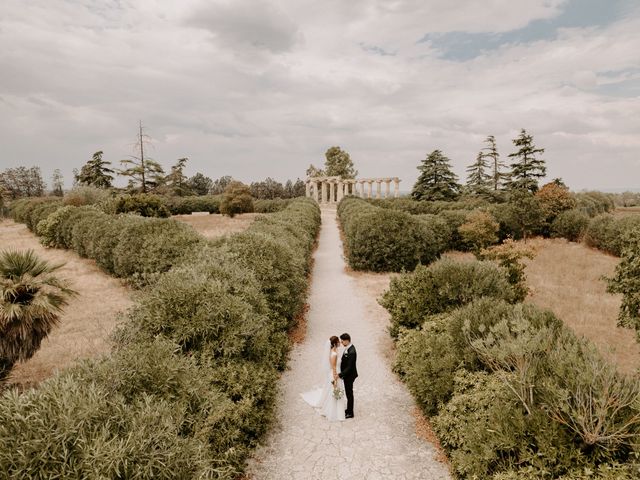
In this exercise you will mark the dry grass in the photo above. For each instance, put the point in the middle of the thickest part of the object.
(626, 211)
(566, 278)
(426, 433)
(87, 321)
(215, 225)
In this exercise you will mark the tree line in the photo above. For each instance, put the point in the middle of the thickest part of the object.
(488, 176)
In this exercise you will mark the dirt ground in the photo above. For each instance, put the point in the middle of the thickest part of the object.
(214, 225)
(87, 321)
(565, 278)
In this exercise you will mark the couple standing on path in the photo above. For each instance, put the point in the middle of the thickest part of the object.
(329, 400)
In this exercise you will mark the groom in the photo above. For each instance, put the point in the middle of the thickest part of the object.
(348, 371)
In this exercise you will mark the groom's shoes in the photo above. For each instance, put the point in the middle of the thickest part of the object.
(348, 415)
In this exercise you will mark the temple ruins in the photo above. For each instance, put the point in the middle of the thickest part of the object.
(334, 189)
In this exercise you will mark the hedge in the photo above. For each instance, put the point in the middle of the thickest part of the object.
(512, 392)
(381, 239)
(194, 203)
(607, 232)
(190, 387)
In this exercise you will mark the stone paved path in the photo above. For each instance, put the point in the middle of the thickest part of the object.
(380, 442)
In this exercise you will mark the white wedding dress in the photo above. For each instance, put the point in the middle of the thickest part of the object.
(322, 398)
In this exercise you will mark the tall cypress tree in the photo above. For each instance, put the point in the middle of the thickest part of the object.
(491, 152)
(479, 182)
(526, 169)
(436, 181)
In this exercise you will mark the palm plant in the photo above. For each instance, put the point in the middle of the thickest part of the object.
(31, 300)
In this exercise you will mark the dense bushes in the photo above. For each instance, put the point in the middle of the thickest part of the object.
(385, 240)
(194, 203)
(141, 204)
(512, 392)
(440, 287)
(191, 386)
(570, 224)
(271, 206)
(606, 232)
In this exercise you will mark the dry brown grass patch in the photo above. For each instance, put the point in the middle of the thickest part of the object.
(424, 431)
(88, 320)
(216, 225)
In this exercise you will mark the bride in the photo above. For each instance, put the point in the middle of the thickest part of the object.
(329, 399)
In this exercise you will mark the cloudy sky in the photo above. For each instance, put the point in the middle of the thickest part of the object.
(256, 88)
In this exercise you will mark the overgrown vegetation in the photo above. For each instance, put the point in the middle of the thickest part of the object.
(512, 392)
(190, 387)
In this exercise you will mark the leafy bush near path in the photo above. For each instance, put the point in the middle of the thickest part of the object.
(441, 287)
(271, 206)
(191, 385)
(195, 203)
(570, 224)
(513, 393)
(381, 240)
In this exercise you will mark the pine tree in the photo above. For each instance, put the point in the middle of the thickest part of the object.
(478, 181)
(176, 180)
(497, 176)
(436, 181)
(57, 183)
(143, 172)
(95, 172)
(527, 169)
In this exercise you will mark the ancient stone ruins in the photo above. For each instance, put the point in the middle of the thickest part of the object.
(333, 189)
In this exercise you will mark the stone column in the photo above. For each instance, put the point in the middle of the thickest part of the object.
(307, 189)
(370, 188)
(340, 191)
(378, 188)
(332, 191)
(323, 195)
(396, 187)
(387, 190)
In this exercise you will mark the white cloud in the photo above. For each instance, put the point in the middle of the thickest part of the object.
(264, 88)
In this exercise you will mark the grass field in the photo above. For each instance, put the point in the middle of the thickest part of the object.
(214, 225)
(89, 318)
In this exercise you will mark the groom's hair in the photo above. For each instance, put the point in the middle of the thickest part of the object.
(345, 336)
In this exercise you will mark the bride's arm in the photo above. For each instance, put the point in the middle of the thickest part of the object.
(334, 360)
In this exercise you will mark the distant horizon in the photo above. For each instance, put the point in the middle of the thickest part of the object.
(258, 88)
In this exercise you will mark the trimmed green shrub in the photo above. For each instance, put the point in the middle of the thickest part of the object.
(441, 287)
(271, 206)
(385, 240)
(570, 224)
(594, 203)
(81, 195)
(194, 203)
(143, 204)
(49, 229)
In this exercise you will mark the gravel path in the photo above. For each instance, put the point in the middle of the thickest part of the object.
(380, 442)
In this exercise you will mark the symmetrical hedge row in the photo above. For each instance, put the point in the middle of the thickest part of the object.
(512, 392)
(190, 386)
(380, 239)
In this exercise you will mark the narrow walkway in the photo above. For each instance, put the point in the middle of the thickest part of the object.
(380, 442)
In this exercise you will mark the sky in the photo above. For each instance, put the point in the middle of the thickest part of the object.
(257, 88)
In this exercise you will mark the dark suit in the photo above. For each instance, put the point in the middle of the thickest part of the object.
(348, 373)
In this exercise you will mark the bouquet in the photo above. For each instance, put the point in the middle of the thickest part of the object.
(338, 393)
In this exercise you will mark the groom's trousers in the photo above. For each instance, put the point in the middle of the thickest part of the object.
(348, 391)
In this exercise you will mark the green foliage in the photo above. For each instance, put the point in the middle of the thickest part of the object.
(626, 281)
(509, 255)
(527, 168)
(436, 181)
(339, 164)
(479, 182)
(86, 195)
(570, 224)
(142, 204)
(594, 203)
(479, 230)
(31, 301)
(194, 203)
(607, 233)
(441, 287)
(95, 173)
(270, 206)
(236, 199)
(385, 240)
(520, 217)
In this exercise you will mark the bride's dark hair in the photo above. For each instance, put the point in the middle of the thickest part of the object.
(334, 341)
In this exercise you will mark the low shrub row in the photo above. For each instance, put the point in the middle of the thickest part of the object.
(607, 232)
(415, 207)
(380, 239)
(512, 392)
(190, 204)
(190, 386)
(271, 206)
